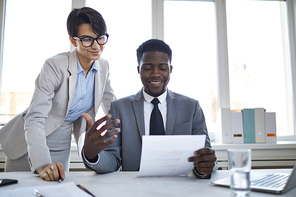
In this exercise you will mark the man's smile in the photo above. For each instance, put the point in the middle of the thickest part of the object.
(156, 82)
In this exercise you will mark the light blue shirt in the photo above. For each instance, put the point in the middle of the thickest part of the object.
(84, 92)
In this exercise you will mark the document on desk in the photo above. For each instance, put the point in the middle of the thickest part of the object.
(58, 190)
(168, 155)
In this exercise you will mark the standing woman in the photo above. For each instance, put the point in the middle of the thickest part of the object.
(69, 84)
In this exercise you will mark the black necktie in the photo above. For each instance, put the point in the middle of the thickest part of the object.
(156, 122)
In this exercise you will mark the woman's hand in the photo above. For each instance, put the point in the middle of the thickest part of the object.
(52, 172)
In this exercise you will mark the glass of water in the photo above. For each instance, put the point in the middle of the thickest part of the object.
(239, 165)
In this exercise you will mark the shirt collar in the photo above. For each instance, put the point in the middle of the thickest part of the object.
(161, 97)
(80, 69)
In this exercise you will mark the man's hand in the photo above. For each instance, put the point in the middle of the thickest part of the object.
(204, 160)
(95, 138)
(52, 172)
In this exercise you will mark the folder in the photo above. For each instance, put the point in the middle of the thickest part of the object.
(259, 115)
(270, 127)
(226, 125)
(237, 127)
(249, 125)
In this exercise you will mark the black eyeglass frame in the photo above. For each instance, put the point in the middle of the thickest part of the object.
(93, 39)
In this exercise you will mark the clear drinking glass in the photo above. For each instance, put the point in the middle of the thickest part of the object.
(239, 165)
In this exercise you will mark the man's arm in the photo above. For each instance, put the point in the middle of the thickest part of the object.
(97, 142)
(204, 159)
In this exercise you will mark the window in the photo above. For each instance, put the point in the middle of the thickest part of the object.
(129, 24)
(256, 54)
(191, 35)
(259, 70)
(34, 31)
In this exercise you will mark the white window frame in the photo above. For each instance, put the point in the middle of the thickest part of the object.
(291, 10)
(222, 52)
(2, 19)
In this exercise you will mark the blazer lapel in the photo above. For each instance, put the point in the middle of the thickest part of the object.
(98, 89)
(72, 68)
(138, 107)
(172, 105)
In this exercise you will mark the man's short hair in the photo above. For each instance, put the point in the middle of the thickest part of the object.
(154, 45)
(86, 15)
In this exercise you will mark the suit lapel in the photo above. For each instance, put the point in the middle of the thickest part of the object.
(99, 89)
(72, 68)
(172, 105)
(138, 107)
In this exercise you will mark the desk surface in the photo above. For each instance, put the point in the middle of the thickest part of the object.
(128, 184)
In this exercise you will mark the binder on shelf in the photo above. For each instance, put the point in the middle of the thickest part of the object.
(248, 125)
(237, 127)
(270, 127)
(226, 125)
(259, 115)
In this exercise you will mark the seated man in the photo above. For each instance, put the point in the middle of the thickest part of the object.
(181, 115)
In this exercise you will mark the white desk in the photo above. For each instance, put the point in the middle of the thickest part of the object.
(279, 155)
(123, 184)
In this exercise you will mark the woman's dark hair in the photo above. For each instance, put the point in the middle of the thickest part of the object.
(86, 15)
(153, 45)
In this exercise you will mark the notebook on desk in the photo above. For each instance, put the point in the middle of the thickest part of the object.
(277, 183)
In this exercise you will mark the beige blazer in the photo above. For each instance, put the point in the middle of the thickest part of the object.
(51, 102)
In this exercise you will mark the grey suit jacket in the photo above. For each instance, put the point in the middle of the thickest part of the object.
(184, 117)
(51, 102)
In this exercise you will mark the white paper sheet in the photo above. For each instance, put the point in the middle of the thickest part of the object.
(168, 155)
(59, 190)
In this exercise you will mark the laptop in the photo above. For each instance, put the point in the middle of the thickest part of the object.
(277, 183)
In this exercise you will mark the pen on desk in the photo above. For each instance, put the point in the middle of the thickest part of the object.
(60, 179)
(39, 193)
(84, 189)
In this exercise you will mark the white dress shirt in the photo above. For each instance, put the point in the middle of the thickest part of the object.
(148, 107)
